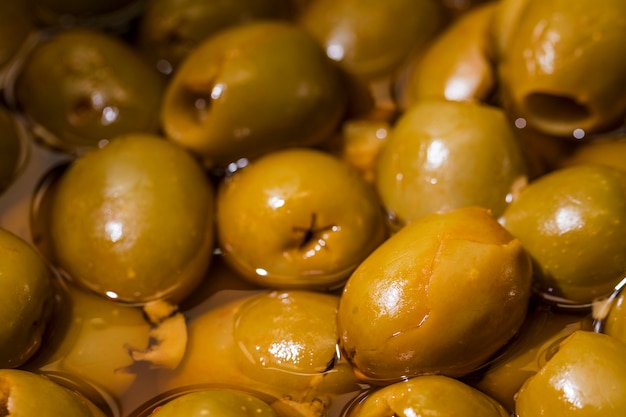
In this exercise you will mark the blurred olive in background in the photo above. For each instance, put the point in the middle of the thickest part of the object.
(252, 89)
(81, 12)
(80, 87)
(572, 222)
(610, 151)
(13, 151)
(559, 64)
(441, 155)
(371, 38)
(170, 29)
(16, 23)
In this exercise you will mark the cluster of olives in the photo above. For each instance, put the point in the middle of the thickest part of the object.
(311, 208)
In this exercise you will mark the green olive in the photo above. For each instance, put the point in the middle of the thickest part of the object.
(373, 39)
(12, 149)
(170, 29)
(278, 343)
(298, 218)
(458, 64)
(27, 394)
(441, 296)
(584, 378)
(133, 220)
(215, 403)
(251, 89)
(442, 155)
(82, 86)
(609, 151)
(428, 395)
(26, 298)
(549, 60)
(571, 221)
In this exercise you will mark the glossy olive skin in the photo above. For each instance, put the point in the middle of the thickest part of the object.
(277, 343)
(571, 221)
(585, 377)
(549, 60)
(215, 403)
(28, 394)
(170, 29)
(83, 86)
(298, 218)
(140, 213)
(229, 98)
(378, 48)
(442, 155)
(26, 300)
(440, 296)
(431, 395)
(12, 150)
(534, 344)
(458, 64)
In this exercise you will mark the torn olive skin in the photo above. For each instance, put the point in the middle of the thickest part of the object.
(548, 64)
(440, 296)
(571, 222)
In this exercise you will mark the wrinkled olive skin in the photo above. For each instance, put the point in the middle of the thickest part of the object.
(170, 29)
(533, 345)
(458, 64)
(16, 23)
(571, 221)
(83, 86)
(439, 296)
(442, 155)
(549, 60)
(298, 218)
(373, 39)
(140, 214)
(215, 403)
(28, 394)
(26, 297)
(252, 89)
(610, 152)
(11, 149)
(584, 378)
(428, 395)
(253, 336)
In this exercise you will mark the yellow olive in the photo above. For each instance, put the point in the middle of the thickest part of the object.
(609, 151)
(571, 221)
(440, 296)
(215, 402)
(559, 65)
(615, 322)
(584, 378)
(298, 218)
(428, 395)
(442, 155)
(133, 220)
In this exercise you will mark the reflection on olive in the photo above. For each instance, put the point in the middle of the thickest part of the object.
(428, 395)
(139, 213)
(572, 222)
(26, 298)
(440, 296)
(82, 86)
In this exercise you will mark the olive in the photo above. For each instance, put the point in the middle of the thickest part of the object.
(16, 24)
(549, 55)
(609, 151)
(585, 377)
(298, 218)
(571, 221)
(277, 343)
(458, 64)
(373, 39)
(251, 89)
(215, 402)
(94, 12)
(428, 395)
(440, 296)
(13, 152)
(170, 29)
(81, 87)
(28, 394)
(442, 155)
(26, 299)
(534, 344)
(614, 324)
(133, 220)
